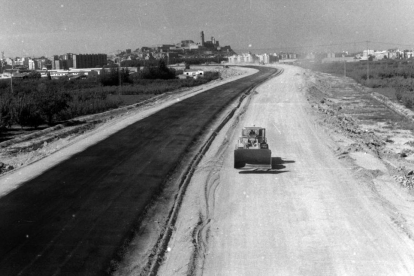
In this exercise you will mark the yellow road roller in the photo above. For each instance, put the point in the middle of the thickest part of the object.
(252, 149)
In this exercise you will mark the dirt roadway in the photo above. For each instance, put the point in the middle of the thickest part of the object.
(312, 214)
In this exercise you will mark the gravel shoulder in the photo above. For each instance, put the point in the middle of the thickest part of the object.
(336, 202)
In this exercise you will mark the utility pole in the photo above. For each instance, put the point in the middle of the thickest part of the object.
(344, 67)
(367, 61)
(11, 77)
(2, 61)
(119, 70)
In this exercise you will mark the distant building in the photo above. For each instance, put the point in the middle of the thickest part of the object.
(248, 58)
(292, 56)
(9, 61)
(339, 59)
(57, 64)
(186, 43)
(89, 60)
(31, 64)
(232, 59)
(380, 54)
(366, 53)
(202, 38)
(408, 54)
(264, 58)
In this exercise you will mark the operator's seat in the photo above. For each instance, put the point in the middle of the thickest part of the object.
(252, 142)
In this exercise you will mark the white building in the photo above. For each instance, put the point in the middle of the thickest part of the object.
(264, 58)
(232, 59)
(9, 61)
(248, 58)
(365, 53)
(380, 54)
(31, 64)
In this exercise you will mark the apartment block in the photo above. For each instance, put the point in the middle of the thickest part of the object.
(89, 60)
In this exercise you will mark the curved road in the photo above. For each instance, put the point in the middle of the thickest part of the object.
(73, 218)
(309, 215)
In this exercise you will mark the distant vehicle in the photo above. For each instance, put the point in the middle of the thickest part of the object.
(78, 77)
(5, 76)
(252, 148)
(193, 72)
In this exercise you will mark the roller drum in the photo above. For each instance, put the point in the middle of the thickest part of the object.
(243, 157)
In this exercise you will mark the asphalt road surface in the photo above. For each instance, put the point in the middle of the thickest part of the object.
(309, 215)
(74, 217)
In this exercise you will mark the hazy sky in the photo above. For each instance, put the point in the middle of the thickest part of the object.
(46, 27)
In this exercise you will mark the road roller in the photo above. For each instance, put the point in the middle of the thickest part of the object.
(252, 149)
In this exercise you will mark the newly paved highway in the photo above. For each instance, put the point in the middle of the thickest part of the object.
(73, 218)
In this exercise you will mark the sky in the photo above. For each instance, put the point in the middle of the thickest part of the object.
(48, 27)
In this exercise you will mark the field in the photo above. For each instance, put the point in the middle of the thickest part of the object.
(391, 78)
(38, 103)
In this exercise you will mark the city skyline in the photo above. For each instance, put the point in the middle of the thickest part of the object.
(62, 26)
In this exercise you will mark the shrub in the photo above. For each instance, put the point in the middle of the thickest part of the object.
(50, 101)
(26, 112)
(408, 100)
(6, 118)
(113, 77)
(34, 75)
(151, 72)
(399, 92)
(79, 107)
(90, 101)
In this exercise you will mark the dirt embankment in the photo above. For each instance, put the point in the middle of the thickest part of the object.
(373, 132)
(26, 149)
(362, 120)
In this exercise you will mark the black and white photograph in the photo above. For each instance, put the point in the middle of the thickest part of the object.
(206, 138)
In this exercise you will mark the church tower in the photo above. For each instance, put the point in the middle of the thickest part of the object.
(202, 38)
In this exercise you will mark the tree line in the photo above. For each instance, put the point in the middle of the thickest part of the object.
(35, 101)
(173, 60)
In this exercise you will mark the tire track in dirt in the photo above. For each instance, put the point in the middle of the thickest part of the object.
(200, 232)
(202, 229)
